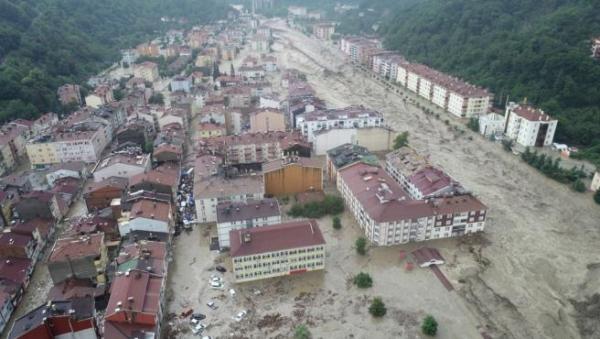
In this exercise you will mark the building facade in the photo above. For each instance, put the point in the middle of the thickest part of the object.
(243, 215)
(277, 250)
(292, 175)
(528, 126)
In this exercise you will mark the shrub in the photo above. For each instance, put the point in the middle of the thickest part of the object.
(429, 326)
(337, 223)
(302, 332)
(597, 197)
(579, 186)
(361, 245)
(363, 280)
(377, 308)
(316, 209)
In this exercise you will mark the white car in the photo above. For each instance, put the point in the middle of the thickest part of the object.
(240, 316)
(216, 285)
(232, 292)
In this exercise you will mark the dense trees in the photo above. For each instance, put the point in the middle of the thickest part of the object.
(46, 43)
(517, 48)
(316, 209)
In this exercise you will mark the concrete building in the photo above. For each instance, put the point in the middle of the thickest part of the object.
(349, 117)
(76, 170)
(418, 177)
(324, 31)
(291, 175)
(102, 95)
(267, 120)
(122, 166)
(528, 126)
(58, 319)
(243, 215)
(79, 143)
(373, 138)
(146, 70)
(181, 84)
(147, 215)
(277, 250)
(388, 216)
(211, 190)
(347, 154)
(491, 124)
(82, 257)
(38, 204)
(98, 195)
(69, 93)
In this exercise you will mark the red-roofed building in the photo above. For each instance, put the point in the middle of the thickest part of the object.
(98, 195)
(147, 215)
(277, 250)
(388, 216)
(16, 270)
(18, 245)
(40, 229)
(135, 306)
(82, 257)
(529, 126)
(38, 204)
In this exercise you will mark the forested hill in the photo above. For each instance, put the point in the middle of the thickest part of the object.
(538, 49)
(45, 43)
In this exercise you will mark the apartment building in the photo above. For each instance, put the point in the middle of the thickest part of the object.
(373, 138)
(324, 30)
(244, 215)
(529, 126)
(267, 120)
(81, 257)
(83, 142)
(388, 216)
(291, 175)
(419, 178)
(146, 70)
(386, 64)
(358, 49)
(122, 166)
(350, 117)
(252, 148)
(277, 250)
(347, 154)
(211, 190)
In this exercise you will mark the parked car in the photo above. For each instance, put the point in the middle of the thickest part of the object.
(198, 316)
(240, 316)
(198, 329)
(221, 269)
(211, 304)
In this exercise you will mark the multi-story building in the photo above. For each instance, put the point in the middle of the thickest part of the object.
(146, 70)
(373, 138)
(59, 319)
(122, 166)
(147, 215)
(324, 30)
(267, 120)
(98, 195)
(257, 147)
(102, 95)
(243, 215)
(83, 142)
(386, 64)
(418, 177)
(350, 117)
(277, 250)
(388, 216)
(291, 175)
(347, 154)
(181, 84)
(491, 124)
(358, 49)
(529, 126)
(209, 191)
(82, 257)
(69, 93)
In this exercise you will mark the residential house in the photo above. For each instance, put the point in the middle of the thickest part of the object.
(277, 250)
(248, 214)
(166, 152)
(69, 93)
(15, 245)
(162, 180)
(39, 229)
(77, 169)
(58, 319)
(80, 257)
(38, 204)
(528, 126)
(98, 195)
(291, 175)
(122, 166)
(147, 215)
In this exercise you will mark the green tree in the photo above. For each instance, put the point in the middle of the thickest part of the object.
(429, 326)
(157, 99)
(579, 186)
(377, 308)
(473, 124)
(118, 95)
(361, 245)
(363, 280)
(302, 332)
(337, 223)
(149, 146)
(401, 140)
(597, 197)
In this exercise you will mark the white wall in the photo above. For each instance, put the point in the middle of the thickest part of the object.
(143, 224)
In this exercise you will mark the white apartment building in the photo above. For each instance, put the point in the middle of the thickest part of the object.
(209, 191)
(491, 124)
(467, 101)
(389, 217)
(277, 250)
(122, 166)
(350, 117)
(242, 215)
(528, 126)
